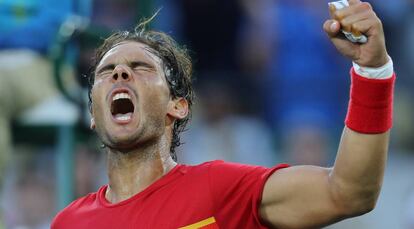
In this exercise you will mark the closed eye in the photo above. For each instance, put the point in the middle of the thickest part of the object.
(107, 69)
(134, 65)
(141, 66)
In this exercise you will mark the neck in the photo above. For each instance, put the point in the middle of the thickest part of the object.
(131, 172)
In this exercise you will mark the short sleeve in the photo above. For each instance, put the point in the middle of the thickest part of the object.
(237, 192)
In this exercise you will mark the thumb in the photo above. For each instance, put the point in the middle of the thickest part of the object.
(331, 27)
(345, 47)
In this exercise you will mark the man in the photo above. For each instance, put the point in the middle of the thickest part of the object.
(140, 101)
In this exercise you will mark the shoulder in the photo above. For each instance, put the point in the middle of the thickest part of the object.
(220, 164)
(232, 185)
(224, 173)
(199, 169)
(216, 166)
(73, 209)
(222, 168)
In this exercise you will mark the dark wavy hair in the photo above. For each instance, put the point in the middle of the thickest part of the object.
(176, 63)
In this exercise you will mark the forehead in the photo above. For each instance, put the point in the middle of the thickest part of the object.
(129, 51)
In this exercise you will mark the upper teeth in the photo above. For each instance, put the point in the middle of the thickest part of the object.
(121, 96)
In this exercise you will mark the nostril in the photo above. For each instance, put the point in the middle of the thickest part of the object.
(115, 76)
(125, 75)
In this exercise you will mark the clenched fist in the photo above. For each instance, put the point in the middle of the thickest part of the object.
(359, 16)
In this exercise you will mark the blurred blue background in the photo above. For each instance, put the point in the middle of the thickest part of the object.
(271, 88)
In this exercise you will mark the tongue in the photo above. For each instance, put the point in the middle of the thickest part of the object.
(123, 117)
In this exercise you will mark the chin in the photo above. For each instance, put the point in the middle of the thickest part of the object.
(124, 141)
(122, 146)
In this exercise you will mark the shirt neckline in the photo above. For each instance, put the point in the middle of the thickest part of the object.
(165, 179)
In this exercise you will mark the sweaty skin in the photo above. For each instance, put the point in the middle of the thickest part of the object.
(313, 197)
(296, 197)
(137, 149)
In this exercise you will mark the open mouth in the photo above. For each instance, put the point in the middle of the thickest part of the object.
(122, 107)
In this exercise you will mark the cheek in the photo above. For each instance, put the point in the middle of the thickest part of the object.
(157, 102)
(156, 98)
(98, 99)
(157, 88)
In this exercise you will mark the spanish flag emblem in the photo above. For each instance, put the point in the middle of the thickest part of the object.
(209, 223)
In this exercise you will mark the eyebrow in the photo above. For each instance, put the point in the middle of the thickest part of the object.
(132, 64)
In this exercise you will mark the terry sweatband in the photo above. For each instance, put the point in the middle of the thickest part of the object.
(370, 104)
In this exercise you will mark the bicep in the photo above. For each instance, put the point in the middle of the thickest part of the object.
(299, 197)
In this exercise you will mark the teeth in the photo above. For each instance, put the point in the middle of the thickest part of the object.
(121, 95)
(123, 117)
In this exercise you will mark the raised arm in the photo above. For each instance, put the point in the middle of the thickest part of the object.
(312, 197)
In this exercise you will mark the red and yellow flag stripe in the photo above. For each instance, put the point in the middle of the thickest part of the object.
(209, 223)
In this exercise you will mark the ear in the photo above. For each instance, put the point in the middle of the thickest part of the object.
(178, 108)
(92, 124)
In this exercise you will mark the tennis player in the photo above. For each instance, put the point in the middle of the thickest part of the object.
(141, 97)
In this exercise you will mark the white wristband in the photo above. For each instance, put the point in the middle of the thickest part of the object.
(384, 72)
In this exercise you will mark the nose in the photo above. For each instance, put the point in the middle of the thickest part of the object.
(121, 73)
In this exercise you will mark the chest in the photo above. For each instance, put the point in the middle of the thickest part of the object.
(184, 203)
(170, 208)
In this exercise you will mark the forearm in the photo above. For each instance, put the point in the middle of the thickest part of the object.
(359, 169)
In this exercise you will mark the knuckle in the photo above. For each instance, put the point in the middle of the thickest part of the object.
(376, 20)
(379, 22)
(345, 23)
(347, 28)
(338, 15)
(326, 25)
(356, 28)
(366, 5)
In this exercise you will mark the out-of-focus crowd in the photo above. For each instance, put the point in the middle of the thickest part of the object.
(271, 88)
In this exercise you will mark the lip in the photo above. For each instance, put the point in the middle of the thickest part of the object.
(133, 99)
(120, 90)
(122, 122)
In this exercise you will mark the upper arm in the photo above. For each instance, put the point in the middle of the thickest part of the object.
(300, 197)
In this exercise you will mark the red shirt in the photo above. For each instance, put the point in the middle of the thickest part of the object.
(211, 195)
